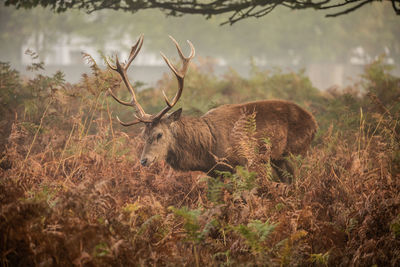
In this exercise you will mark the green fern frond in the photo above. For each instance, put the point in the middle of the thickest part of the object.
(320, 258)
(256, 233)
(215, 189)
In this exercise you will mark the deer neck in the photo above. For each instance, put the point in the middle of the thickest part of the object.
(193, 144)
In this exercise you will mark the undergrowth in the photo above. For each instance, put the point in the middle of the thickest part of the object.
(72, 191)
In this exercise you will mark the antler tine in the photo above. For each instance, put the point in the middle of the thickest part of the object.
(192, 50)
(109, 65)
(117, 68)
(172, 67)
(118, 100)
(140, 115)
(132, 55)
(180, 75)
(122, 70)
(186, 60)
(128, 123)
(136, 121)
(135, 50)
(166, 99)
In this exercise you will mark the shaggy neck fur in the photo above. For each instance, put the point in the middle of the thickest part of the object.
(192, 146)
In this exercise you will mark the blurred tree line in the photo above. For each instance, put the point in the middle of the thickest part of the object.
(294, 37)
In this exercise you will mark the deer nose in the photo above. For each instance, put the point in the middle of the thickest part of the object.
(143, 161)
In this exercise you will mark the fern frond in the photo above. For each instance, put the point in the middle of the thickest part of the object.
(256, 233)
(243, 135)
(92, 63)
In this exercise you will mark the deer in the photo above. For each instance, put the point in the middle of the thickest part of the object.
(199, 143)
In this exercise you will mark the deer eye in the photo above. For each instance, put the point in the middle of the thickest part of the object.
(159, 135)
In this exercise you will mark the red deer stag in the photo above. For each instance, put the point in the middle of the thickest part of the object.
(190, 143)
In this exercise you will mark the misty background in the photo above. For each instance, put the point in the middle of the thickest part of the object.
(332, 51)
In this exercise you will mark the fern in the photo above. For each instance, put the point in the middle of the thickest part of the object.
(215, 189)
(321, 259)
(395, 227)
(194, 231)
(35, 66)
(92, 63)
(287, 245)
(243, 180)
(236, 183)
(243, 135)
(224, 255)
(255, 234)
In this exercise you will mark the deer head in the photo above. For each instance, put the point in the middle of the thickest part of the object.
(157, 134)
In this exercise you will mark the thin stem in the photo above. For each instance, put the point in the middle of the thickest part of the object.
(38, 129)
(112, 129)
(65, 148)
(195, 255)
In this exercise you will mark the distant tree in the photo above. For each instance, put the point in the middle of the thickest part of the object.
(238, 9)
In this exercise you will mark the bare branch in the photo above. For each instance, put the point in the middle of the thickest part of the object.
(396, 8)
(350, 9)
(238, 9)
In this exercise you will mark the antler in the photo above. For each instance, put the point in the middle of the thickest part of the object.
(140, 115)
(180, 75)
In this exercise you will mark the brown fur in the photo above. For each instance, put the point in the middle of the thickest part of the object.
(194, 143)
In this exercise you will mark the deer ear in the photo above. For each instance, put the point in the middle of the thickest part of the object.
(174, 116)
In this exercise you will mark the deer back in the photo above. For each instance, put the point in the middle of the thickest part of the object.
(289, 127)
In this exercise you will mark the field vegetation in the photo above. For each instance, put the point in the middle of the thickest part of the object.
(72, 190)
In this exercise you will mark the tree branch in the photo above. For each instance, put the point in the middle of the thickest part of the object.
(396, 9)
(239, 9)
(350, 9)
